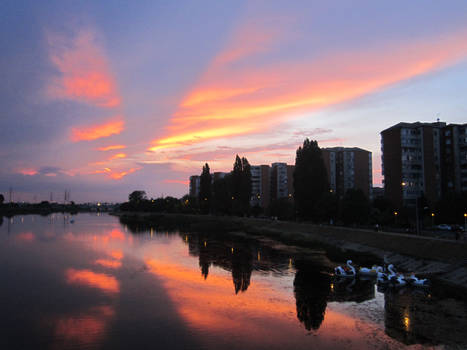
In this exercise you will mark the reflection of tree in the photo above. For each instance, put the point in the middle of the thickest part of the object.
(311, 289)
(241, 269)
(417, 318)
(1, 220)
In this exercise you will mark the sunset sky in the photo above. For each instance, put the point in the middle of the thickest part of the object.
(105, 97)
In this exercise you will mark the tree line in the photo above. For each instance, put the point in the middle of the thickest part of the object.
(313, 200)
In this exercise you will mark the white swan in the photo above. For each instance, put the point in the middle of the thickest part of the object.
(370, 272)
(347, 271)
(418, 282)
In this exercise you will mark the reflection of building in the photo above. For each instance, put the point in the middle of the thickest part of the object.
(414, 318)
(281, 180)
(348, 168)
(260, 185)
(194, 185)
(311, 289)
(428, 158)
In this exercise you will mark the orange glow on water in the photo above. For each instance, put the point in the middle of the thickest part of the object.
(113, 264)
(88, 327)
(95, 132)
(26, 236)
(117, 254)
(117, 234)
(92, 279)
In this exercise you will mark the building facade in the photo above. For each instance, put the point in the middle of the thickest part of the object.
(194, 186)
(426, 159)
(348, 168)
(281, 180)
(260, 185)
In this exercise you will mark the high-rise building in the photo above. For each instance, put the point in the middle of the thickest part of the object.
(427, 159)
(454, 158)
(348, 168)
(281, 180)
(260, 185)
(194, 185)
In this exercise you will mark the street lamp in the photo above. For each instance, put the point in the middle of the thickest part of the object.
(432, 220)
(395, 217)
(465, 222)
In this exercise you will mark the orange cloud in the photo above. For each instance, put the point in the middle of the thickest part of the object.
(84, 70)
(111, 148)
(241, 94)
(181, 182)
(120, 175)
(118, 156)
(95, 132)
(89, 278)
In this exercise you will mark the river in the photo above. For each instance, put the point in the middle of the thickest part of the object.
(90, 282)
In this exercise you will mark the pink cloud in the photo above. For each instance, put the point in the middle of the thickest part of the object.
(85, 74)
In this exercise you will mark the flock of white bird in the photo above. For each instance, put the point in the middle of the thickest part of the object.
(384, 275)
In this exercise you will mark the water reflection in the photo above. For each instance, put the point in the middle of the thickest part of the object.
(419, 318)
(94, 285)
(352, 289)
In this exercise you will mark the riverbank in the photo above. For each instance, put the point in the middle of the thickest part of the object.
(442, 259)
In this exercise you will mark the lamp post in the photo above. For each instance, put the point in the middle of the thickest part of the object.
(395, 217)
(465, 222)
(432, 220)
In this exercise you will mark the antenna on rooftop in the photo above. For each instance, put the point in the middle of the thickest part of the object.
(437, 117)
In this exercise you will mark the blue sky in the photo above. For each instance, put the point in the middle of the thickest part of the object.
(167, 86)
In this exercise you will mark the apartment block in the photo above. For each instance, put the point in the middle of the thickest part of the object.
(348, 168)
(281, 180)
(260, 185)
(427, 159)
(194, 185)
(453, 147)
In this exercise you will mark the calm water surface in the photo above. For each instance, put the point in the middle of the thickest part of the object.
(94, 284)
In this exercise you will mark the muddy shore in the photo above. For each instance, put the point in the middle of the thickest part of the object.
(441, 259)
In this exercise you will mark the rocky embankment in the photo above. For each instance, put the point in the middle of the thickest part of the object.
(441, 259)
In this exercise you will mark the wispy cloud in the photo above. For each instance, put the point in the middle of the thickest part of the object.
(236, 96)
(84, 71)
(111, 148)
(94, 132)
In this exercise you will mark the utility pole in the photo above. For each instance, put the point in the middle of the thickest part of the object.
(10, 195)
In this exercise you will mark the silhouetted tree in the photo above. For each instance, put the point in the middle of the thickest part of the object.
(222, 196)
(241, 186)
(205, 189)
(137, 196)
(2, 199)
(310, 181)
(355, 207)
